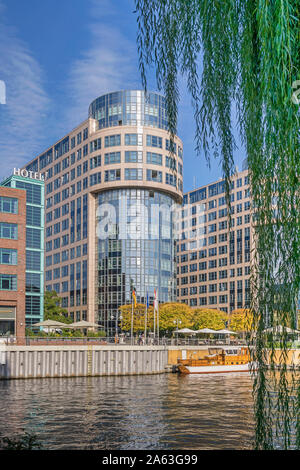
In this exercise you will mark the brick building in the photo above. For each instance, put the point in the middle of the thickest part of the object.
(12, 261)
(23, 237)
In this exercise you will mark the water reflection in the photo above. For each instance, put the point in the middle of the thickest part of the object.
(139, 412)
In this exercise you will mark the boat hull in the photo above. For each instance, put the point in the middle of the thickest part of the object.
(215, 369)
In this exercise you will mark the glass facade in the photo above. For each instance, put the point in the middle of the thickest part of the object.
(135, 244)
(130, 107)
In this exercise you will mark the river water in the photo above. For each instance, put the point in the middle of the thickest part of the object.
(158, 412)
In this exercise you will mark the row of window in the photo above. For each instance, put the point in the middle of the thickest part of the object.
(111, 175)
(213, 300)
(60, 149)
(203, 218)
(223, 249)
(65, 255)
(109, 141)
(212, 276)
(222, 287)
(212, 227)
(131, 156)
(213, 190)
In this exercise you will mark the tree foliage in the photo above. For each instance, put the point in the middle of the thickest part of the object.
(53, 309)
(171, 312)
(171, 315)
(26, 441)
(209, 318)
(249, 52)
(138, 318)
(241, 320)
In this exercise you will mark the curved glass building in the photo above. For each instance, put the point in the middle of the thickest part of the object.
(112, 187)
(129, 107)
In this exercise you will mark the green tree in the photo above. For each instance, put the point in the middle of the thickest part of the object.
(249, 51)
(209, 318)
(171, 312)
(138, 318)
(241, 320)
(53, 309)
(168, 314)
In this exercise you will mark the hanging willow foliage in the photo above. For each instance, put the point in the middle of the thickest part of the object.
(249, 51)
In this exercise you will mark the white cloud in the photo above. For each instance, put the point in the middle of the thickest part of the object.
(110, 64)
(26, 101)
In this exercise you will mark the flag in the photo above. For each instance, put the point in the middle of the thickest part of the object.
(147, 303)
(134, 297)
(155, 304)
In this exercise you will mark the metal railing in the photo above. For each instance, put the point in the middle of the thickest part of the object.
(120, 341)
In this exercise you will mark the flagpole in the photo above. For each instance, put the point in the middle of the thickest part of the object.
(131, 319)
(146, 312)
(157, 322)
(154, 313)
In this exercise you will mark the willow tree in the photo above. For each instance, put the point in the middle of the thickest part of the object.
(249, 55)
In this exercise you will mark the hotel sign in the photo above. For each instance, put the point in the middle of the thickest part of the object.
(28, 174)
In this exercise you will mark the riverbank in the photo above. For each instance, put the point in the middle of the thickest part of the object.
(24, 362)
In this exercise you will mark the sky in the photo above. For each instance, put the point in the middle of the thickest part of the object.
(56, 56)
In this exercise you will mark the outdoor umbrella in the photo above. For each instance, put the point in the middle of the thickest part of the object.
(226, 332)
(186, 331)
(51, 323)
(206, 331)
(84, 324)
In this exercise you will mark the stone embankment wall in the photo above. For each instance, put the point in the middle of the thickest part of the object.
(23, 362)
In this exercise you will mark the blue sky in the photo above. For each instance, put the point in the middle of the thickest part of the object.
(56, 57)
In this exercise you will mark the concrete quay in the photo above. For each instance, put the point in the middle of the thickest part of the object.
(25, 362)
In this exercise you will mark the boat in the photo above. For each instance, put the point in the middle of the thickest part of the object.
(218, 360)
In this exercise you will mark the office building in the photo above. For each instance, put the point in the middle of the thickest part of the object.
(213, 260)
(12, 261)
(110, 184)
(26, 239)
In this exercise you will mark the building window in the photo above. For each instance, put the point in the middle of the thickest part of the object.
(95, 178)
(8, 282)
(133, 174)
(112, 175)
(113, 157)
(95, 145)
(95, 162)
(133, 139)
(171, 163)
(33, 216)
(8, 231)
(171, 179)
(154, 141)
(133, 156)
(8, 256)
(154, 175)
(112, 140)
(9, 204)
(33, 260)
(154, 158)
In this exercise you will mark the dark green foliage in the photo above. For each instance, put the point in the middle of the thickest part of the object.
(249, 51)
(53, 309)
(27, 441)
